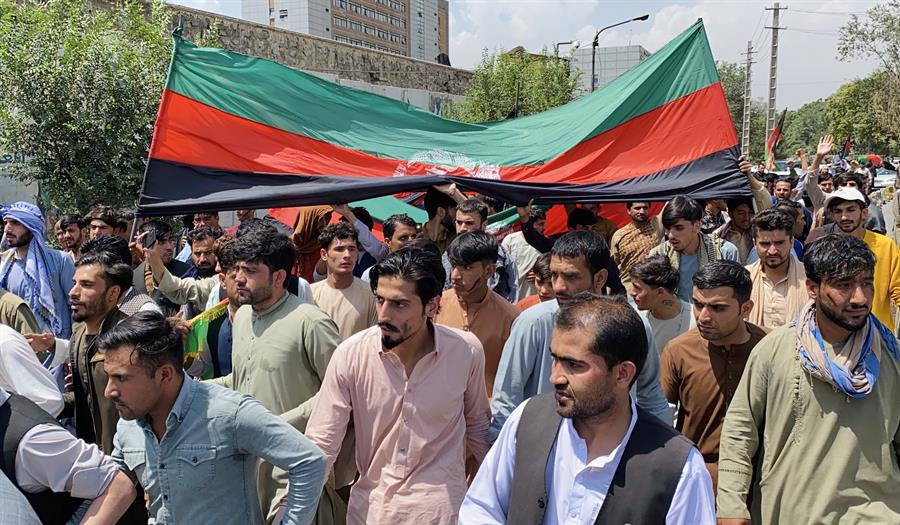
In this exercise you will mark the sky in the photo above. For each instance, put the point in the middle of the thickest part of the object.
(808, 68)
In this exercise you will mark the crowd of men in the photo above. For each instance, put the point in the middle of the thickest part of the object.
(732, 360)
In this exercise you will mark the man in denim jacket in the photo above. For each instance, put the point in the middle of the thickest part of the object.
(194, 446)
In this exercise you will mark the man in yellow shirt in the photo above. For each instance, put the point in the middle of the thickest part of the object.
(848, 208)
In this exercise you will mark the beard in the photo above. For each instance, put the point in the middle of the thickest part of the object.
(206, 270)
(778, 264)
(591, 404)
(256, 296)
(834, 317)
(22, 240)
(87, 311)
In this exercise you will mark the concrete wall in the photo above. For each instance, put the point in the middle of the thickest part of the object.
(326, 56)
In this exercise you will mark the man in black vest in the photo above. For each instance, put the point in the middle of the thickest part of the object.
(55, 471)
(607, 460)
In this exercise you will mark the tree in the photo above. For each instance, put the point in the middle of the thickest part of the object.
(733, 77)
(850, 113)
(79, 89)
(877, 36)
(803, 128)
(543, 81)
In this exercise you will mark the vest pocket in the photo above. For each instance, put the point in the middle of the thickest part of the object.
(196, 465)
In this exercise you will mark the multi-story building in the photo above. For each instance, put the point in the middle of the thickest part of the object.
(610, 62)
(413, 28)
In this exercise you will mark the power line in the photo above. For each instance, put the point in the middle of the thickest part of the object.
(834, 13)
(814, 32)
(756, 31)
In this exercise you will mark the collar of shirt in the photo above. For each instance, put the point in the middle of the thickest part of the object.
(273, 308)
(579, 447)
(182, 403)
(4, 395)
(473, 306)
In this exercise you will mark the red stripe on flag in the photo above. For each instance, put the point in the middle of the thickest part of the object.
(688, 128)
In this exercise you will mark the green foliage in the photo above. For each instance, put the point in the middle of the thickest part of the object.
(544, 81)
(79, 90)
(803, 128)
(850, 112)
(732, 77)
(877, 35)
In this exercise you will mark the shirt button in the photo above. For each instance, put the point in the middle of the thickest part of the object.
(162, 465)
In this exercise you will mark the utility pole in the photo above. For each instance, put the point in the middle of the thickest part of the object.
(773, 67)
(745, 125)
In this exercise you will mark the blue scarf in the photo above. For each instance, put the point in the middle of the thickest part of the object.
(854, 370)
(40, 269)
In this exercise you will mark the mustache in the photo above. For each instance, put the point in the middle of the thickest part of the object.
(388, 326)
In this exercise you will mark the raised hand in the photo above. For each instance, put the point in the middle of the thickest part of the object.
(826, 144)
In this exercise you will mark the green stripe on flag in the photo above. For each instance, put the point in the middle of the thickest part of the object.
(269, 93)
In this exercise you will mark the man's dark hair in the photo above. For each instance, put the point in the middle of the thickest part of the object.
(203, 233)
(825, 176)
(124, 217)
(771, 220)
(160, 229)
(277, 252)
(792, 208)
(390, 225)
(420, 267)
(724, 273)
(255, 225)
(115, 272)
(847, 176)
(67, 220)
(581, 217)
(226, 256)
(681, 207)
(112, 244)
(153, 341)
(657, 271)
(538, 214)
(629, 204)
(575, 244)
(473, 207)
(618, 331)
(835, 257)
(473, 247)
(105, 214)
(732, 204)
(423, 243)
(339, 230)
(541, 268)
(435, 199)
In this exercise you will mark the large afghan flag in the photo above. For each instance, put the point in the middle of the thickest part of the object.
(241, 132)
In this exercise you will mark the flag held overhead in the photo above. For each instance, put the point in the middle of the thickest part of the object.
(241, 132)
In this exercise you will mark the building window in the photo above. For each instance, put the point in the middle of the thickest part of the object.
(282, 13)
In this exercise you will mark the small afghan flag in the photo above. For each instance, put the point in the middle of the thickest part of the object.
(775, 137)
(196, 343)
(848, 147)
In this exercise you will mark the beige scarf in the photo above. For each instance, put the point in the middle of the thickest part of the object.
(710, 250)
(796, 295)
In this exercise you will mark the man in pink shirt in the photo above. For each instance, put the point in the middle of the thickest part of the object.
(415, 391)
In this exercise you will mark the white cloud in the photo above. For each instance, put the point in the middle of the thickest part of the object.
(807, 67)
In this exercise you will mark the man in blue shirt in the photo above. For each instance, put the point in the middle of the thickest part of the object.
(35, 272)
(194, 446)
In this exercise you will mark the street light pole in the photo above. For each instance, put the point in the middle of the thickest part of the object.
(594, 45)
